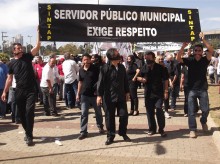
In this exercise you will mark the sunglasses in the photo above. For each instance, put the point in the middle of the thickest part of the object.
(196, 50)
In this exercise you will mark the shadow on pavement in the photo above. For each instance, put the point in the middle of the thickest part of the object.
(48, 139)
(7, 127)
(2, 144)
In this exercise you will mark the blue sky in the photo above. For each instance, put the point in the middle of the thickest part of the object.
(21, 16)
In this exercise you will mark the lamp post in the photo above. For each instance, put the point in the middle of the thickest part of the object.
(3, 41)
(30, 41)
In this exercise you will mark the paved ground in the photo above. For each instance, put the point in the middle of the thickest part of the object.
(177, 147)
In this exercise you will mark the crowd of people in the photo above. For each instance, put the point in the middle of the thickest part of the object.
(107, 85)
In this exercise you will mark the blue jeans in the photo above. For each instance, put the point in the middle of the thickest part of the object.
(85, 104)
(203, 97)
(11, 101)
(71, 91)
(2, 105)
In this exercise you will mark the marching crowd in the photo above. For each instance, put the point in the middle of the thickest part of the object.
(108, 85)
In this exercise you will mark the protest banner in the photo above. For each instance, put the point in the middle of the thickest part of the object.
(116, 23)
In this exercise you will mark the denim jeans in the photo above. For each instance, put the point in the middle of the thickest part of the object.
(71, 91)
(174, 93)
(203, 98)
(85, 104)
(11, 101)
(2, 105)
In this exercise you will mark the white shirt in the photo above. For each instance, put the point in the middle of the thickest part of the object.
(47, 74)
(70, 69)
(211, 69)
(218, 67)
(13, 82)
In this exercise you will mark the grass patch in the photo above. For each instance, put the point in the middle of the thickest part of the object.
(214, 101)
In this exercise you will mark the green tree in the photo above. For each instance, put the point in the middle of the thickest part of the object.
(4, 57)
(215, 43)
(71, 48)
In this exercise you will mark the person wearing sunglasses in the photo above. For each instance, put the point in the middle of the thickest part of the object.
(197, 83)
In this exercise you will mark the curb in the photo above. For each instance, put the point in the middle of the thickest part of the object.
(216, 132)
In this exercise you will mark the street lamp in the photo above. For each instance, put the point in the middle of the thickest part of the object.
(3, 41)
(30, 41)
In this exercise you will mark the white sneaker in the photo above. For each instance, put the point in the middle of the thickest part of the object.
(166, 114)
(192, 134)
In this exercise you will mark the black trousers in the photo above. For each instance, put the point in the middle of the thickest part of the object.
(110, 108)
(134, 98)
(151, 104)
(166, 102)
(25, 100)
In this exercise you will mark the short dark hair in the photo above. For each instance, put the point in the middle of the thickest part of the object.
(16, 44)
(86, 55)
(132, 58)
(150, 53)
(111, 54)
(199, 45)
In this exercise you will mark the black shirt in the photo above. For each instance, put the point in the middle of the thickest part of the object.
(112, 83)
(155, 78)
(175, 71)
(197, 73)
(185, 73)
(89, 79)
(23, 71)
(131, 71)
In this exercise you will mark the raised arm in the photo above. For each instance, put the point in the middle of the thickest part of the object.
(209, 47)
(36, 48)
(181, 51)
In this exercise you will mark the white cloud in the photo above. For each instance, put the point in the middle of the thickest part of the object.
(215, 19)
(18, 14)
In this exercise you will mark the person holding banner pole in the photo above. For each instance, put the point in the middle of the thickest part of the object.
(25, 92)
(197, 83)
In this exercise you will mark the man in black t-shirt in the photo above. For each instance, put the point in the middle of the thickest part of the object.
(88, 77)
(197, 83)
(156, 90)
(25, 93)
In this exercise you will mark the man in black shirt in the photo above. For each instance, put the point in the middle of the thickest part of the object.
(174, 83)
(25, 93)
(88, 77)
(113, 91)
(156, 89)
(197, 83)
